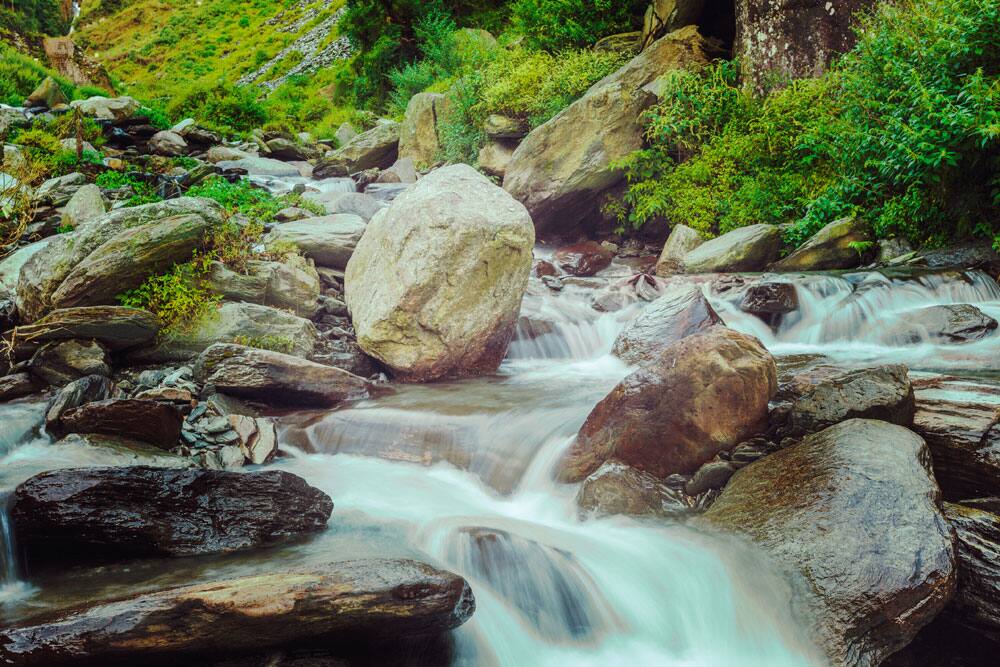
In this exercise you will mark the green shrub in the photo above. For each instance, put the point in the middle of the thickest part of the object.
(142, 192)
(178, 298)
(559, 24)
(240, 197)
(221, 105)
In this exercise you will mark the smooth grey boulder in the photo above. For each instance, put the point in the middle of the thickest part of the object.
(750, 248)
(10, 266)
(418, 133)
(681, 311)
(327, 240)
(168, 144)
(355, 203)
(260, 166)
(681, 241)
(86, 204)
(108, 108)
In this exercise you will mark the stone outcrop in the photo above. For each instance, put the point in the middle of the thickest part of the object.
(853, 511)
(829, 248)
(328, 240)
(702, 395)
(680, 312)
(435, 284)
(560, 172)
(72, 63)
(749, 248)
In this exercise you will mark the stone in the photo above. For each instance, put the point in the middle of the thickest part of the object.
(505, 127)
(115, 109)
(829, 248)
(61, 362)
(345, 133)
(386, 192)
(17, 385)
(378, 147)
(744, 249)
(712, 475)
(681, 241)
(616, 488)
(827, 395)
(58, 191)
(702, 395)
(353, 203)
(418, 133)
(121, 512)
(70, 145)
(681, 311)
(949, 323)
(327, 240)
(117, 327)
(168, 144)
(770, 298)
(73, 395)
(977, 600)
(8, 312)
(260, 166)
(86, 204)
(335, 605)
(46, 270)
(663, 16)
(232, 322)
(435, 284)
(217, 154)
(560, 171)
(10, 266)
(47, 94)
(628, 43)
(273, 377)
(143, 420)
(964, 439)
(852, 511)
(289, 285)
(285, 149)
(776, 43)
(494, 158)
(583, 259)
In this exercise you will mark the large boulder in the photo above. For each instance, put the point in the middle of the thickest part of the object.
(117, 327)
(47, 94)
(826, 395)
(681, 241)
(749, 248)
(289, 285)
(853, 511)
(378, 147)
(700, 396)
(833, 247)
(329, 240)
(168, 144)
(111, 513)
(681, 311)
(561, 170)
(977, 532)
(115, 109)
(435, 284)
(46, 270)
(249, 323)
(274, 377)
(334, 606)
(418, 133)
(86, 204)
(146, 421)
(777, 42)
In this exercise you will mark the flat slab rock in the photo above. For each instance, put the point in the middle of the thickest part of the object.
(103, 514)
(342, 601)
(148, 421)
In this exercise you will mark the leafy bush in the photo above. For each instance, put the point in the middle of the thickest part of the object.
(28, 16)
(558, 24)
(221, 105)
(178, 298)
(142, 192)
(240, 197)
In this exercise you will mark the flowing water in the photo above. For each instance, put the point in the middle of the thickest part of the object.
(460, 474)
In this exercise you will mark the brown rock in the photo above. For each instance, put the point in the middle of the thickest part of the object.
(149, 421)
(115, 326)
(18, 385)
(583, 259)
(766, 299)
(701, 395)
(616, 488)
(826, 395)
(680, 312)
(964, 439)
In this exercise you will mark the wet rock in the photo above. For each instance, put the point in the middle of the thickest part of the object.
(827, 395)
(583, 259)
(616, 488)
(964, 439)
(544, 268)
(59, 363)
(829, 248)
(86, 204)
(712, 475)
(18, 385)
(970, 255)
(117, 327)
(951, 323)
(418, 133)
(435, 284)
(749, 248)
(768, 299)
(977, 600)
(378, 147)
(680, 312)
(73, 395)
(854, 511)
(273, 377)
(329, 240)
(560, 170)
(681, 241)
(115, 513)
(338, 604)
(168, 144)
(147, 421)
(709, 391)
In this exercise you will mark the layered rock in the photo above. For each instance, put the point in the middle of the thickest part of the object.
(750, 248)
(852, 510)
(977, 532)
(289, 285)
(117, 327)
(154, 422)
(435, 284)
(111, 513)
(702, 395)
(328, 240)
(273, 377)
(832, 247)
(561, 170)
(339, 603)
(680, 312)
(73, 395)
(378, 147)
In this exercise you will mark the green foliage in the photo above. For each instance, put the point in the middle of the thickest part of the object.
(31, 16)
(220, 105)
(20, 75)
(142, 192)
(240, 197)
(282, 344)
(178, 298)
(559, 24)
(903, 131)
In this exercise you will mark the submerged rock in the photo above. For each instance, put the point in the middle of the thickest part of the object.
(337, 604)
(950, 323)
(744, 249)
(680, 312)
(770, 298)
(114, 513)
(435, 284)
(854, 511)
(701, 395)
